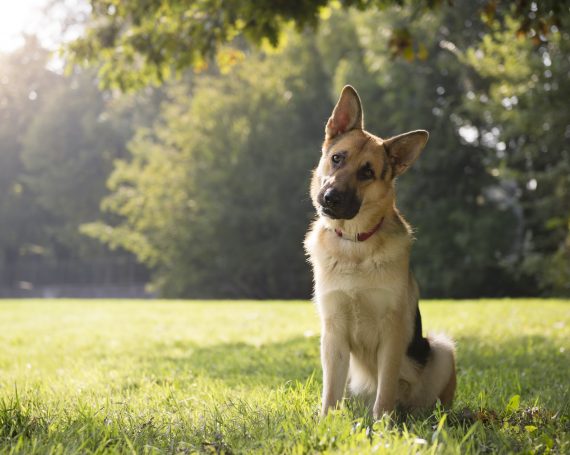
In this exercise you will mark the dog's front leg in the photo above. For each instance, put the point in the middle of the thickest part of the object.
(390, 355)
(335, 354)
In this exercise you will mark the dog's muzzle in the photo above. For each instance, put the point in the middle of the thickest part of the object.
(338, 204)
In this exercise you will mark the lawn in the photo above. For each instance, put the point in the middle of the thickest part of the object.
(243, 377)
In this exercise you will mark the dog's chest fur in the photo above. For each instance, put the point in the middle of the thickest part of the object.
(357, 288)
(357, 269)
(364, 314)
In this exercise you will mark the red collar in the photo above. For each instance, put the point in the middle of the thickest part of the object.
(361, 236)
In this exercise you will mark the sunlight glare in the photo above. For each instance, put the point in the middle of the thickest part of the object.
(16, 18)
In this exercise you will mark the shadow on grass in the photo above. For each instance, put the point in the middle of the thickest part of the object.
(269, 364)
(533, 367)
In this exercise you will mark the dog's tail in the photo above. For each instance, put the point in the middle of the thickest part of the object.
(437, 378)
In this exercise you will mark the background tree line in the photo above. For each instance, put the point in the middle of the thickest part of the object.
(204, 178)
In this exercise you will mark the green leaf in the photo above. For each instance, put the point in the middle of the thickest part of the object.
(514, 404)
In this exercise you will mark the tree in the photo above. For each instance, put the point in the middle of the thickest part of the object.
(214, 197)
(68, 151)
(24, 84)
(140, 42)
(59, 137)
(524, 120)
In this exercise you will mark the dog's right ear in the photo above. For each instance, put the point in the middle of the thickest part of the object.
(347, 114)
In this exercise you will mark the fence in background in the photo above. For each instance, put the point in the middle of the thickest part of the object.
(108, 277)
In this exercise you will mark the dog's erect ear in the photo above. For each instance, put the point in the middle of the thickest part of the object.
(347, 114)
(404, 149)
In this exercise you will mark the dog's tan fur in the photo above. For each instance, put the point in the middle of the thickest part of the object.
(364, 290)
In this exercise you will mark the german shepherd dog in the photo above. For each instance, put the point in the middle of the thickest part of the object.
(367, 297)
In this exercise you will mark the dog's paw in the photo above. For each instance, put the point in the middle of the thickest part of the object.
(382, 410)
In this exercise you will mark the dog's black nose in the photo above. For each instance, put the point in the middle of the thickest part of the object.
(332, 197)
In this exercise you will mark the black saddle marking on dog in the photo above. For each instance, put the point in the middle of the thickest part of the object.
(419, 348)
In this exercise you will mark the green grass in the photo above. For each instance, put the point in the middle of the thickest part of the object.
(242, 377)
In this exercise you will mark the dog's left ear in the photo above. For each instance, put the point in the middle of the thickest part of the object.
(347, 114)
(405, 148)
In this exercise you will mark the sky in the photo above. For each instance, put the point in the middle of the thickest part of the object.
(26, 16)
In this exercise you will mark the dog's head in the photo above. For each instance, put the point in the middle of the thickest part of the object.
(357, 169)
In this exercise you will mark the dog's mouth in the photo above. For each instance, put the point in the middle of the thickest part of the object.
(335, 214)
(328, 212)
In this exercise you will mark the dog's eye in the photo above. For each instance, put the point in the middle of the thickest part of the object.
(365, 172)
(337, 158)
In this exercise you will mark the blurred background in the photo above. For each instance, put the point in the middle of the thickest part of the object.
(164, 148)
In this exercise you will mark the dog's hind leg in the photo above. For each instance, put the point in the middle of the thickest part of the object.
(446, 396)
(437, 380)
